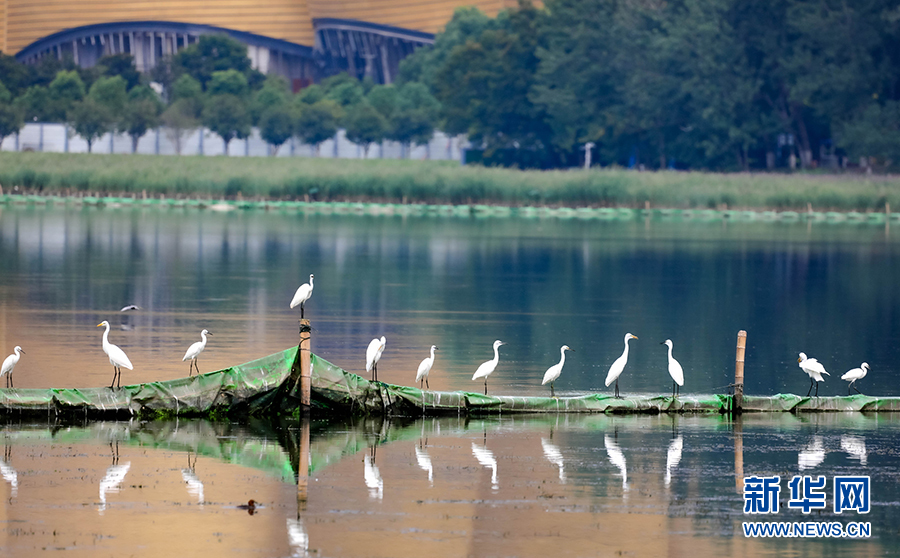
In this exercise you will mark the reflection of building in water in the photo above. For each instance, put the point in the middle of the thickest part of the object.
(373, 478)
(487, 459)
(673, 457)
(424, 461)
(553, 455)
(855, 446)
(812, 455)
(617, 458)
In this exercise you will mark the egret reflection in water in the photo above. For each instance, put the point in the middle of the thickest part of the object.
(194, 484)
(486, 458)
(673, 457)
(9, 474)
(553, 455)
(855, 446)
(424, 461)
(373, 477)
(813, 455)
(617, 458)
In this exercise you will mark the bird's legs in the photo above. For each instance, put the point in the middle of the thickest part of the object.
(674, 389)
(115, 373)
(426, 382)
(811, 382)
(853, 385)
(552, 393)
(617, 389)
(301, 310)
(197, 365)
(817, 389)
(9, 380)
(485, 386)
(375, 370)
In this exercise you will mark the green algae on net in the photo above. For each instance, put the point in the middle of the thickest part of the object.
(269, 386)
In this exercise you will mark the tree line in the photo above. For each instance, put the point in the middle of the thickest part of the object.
(211, 84)
(686, 84)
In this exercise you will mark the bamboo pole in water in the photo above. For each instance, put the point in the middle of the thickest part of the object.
(305, 365)
(738, 403)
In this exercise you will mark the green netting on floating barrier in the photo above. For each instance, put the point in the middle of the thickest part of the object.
(250, 388)
(786, 402)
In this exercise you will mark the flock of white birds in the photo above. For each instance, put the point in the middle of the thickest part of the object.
(119, 359)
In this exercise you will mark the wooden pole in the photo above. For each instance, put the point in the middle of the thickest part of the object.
(738, 454)
(738, 402)
(305, 365)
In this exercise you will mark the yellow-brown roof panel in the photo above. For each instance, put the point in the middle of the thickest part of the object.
(26, 21)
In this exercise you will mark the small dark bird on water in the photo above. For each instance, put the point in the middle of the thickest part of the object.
(249, 506)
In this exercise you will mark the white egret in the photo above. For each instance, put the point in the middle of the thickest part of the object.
(425, 368)
(117, 356)
(487, 368)
(675, 369)
(10, 363)
(304, 292)
(815, 370)
(194, 351)
(618, 366)
(554, 371)
(130, 307)
(373, 355)
(855, 374)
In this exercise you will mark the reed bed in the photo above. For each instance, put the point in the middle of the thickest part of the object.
(436, 182)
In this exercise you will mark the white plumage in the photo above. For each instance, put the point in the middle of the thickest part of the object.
(554, 371)
(619, 365)
(373, 355)
(304, 292)
(487, 368)
(9, 364)
(855, 374)
(675, 369)
(673, 457)
(194, 351)
(117, 356)
(425, 367)
(814, 369)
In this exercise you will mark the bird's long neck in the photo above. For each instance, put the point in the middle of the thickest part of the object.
(106, 336)
(670, 352)
(625, 352)
(310, 282)
(562, 356)
(496, 354)
(432, 353)
(203, 336)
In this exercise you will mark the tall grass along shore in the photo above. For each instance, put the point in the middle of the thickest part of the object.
(434, 182)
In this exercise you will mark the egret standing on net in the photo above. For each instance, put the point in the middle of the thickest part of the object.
(815, 370)
(9, 364)
(117, 356)
(618, 366)
(850, 376)
(425, 368)
(194, 351)
(304, 292)
(487, 368)
(675, 370)
(373, 355)
(554, 371)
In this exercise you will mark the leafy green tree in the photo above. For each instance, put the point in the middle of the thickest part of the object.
(226, 115)
(228, 82)
(383, 98)
(274, 94)
(873, 132)
(365, 125)
(142, 112)
(111, 92)
(121, 65)
(66, 89)
(11, 120)
(310, 95)
(214, 53)
(90, 120)
(415, 116)
(180, 119)
(35, 104)
(318, 122)
(277, 125)
(17, 77)
(346, 92)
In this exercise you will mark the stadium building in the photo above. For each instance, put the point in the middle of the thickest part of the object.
(302, 40)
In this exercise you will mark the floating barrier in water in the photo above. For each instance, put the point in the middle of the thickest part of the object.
(481, 210)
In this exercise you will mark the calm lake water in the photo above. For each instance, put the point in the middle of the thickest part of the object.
(525, 486)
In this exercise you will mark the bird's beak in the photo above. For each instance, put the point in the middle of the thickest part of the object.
(799, 360)
(634, 336)
(99, 325)
(572, 350)
(208, 333)
(663, 343)
(22, 351)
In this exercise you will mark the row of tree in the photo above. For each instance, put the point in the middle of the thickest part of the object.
(716, 84)
(210, 84)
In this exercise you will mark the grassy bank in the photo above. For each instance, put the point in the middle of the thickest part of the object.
(435, 182)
